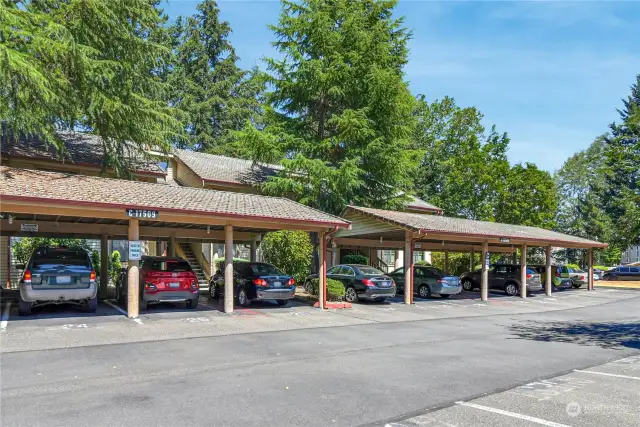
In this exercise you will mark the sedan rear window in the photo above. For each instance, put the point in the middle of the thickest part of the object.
(369, 270)
(261, 269)
(171, 266)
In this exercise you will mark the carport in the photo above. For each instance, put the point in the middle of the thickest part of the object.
(40, 203)
(378, 228)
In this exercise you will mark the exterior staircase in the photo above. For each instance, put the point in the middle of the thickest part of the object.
(195, 265)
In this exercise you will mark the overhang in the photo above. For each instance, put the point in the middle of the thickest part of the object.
(392, 226)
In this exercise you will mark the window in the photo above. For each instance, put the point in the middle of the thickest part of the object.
(435, 271)
(347, 271)
(51, 257)
(634, 270)
(417, 256)
(501, 269)
(170, 266)
(334, 269)
(624, 269)
(399, 271)
(370, 270)
(388, 257)
(262, 269)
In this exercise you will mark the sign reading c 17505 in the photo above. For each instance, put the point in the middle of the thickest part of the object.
(142, 213)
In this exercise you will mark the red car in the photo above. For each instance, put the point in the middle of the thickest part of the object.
(163, 279)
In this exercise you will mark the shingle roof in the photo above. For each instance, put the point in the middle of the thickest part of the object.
(420, 204)
(81, 148)
(467, 227)
(211, 167)
(54, 186)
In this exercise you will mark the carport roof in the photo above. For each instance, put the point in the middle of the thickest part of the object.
(40, 187)
(461, 228)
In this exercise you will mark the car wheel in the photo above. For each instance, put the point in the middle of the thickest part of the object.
(282, 302)
(24, 307)
(307, 287)
(511, 289)
(467, 285)
(444, 296)
(381, 300)
(350, 294)
(576, 285)
(92, 304)
(424, 291)
(243, 298)
(192, 304)
(213, 291)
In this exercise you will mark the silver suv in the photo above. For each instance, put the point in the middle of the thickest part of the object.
(505, 277)
(58, 275)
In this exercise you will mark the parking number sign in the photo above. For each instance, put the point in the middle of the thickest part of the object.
(486, 261)
(135, 250)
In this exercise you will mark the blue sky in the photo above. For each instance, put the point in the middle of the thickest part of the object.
(549, 73)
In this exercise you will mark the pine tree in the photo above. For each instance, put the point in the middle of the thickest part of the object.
(340, 111)
(216, 95)
(621, 194)
(85, 65)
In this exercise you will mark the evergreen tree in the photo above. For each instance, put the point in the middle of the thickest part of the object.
(85, 65)
(206, 84)
(340, 111)
(621, 194)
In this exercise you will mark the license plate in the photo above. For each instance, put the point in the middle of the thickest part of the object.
(63, 279)
(385, 284)
(277, 284)
(174, 285)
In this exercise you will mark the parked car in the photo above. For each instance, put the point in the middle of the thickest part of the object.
(162, 279)
(255, 281)
(57, 275)
(362, 281)
(504, 277)
(622, 273)
(560, 276)
(428, 281)
(597, 274)
(578, 277)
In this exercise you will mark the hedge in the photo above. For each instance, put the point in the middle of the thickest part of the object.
(335, 289)
(355, 259)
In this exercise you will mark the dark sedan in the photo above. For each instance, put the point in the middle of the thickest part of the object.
(362, 281)
(255, 281)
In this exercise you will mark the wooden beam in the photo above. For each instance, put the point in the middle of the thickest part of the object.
(425, 246)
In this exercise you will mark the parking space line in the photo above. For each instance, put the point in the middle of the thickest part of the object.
(5, 316)
(512, 414)
(136, 320)
(607, 374)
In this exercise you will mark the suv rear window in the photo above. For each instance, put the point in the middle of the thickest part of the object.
(58, 256)
(369, 270)
(263, 269)
(170, 266)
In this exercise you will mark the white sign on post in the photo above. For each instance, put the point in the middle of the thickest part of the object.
(33, 228)
(135, 250)
(487, 259)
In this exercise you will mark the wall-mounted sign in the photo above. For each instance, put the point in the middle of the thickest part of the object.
(487, 259)
(135, 250)
(418, 245)
(32, 228)
(504, 240)
(142, 213)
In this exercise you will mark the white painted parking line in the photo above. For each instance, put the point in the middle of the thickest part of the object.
(512, 414)
(136, 320)
(607, 374)
(5, 316)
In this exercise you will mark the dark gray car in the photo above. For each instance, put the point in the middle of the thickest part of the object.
(56, 276)
(503, 277)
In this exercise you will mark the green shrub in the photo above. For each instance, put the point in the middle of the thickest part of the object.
(355, 259)
(115, 265)
(423, 262)
(290, 251)
(601, 267)
(573, 266)
(335, 289)
(95, 260)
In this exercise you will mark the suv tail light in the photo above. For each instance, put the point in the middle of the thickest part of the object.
(528, 276)
(27, 277)
(92, 276)
(557, 273)
(150, 287)
(195, 285)
(581, 277)
(291, 282)
(442, 281)
(368, 282)
(260, 282)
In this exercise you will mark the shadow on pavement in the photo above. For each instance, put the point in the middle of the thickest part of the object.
(606, 335)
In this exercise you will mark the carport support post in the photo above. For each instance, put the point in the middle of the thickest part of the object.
(590, 283)
(104, 267)
(228, 269)
(484, 280)
(253, 256)
(547, 282)
(523, 272)
(133, 275)
(408, 262)
(322, 273)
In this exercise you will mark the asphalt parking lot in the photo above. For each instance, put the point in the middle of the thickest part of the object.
(601, 396)
(65, 326)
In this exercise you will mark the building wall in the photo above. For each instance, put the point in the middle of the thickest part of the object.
(631, 255)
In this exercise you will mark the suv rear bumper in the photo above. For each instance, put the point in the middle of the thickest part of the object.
(29, 294)
(170, 296)
(277, 294)
(377, 293)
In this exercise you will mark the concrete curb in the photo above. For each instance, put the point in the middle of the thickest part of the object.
(335, 305)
